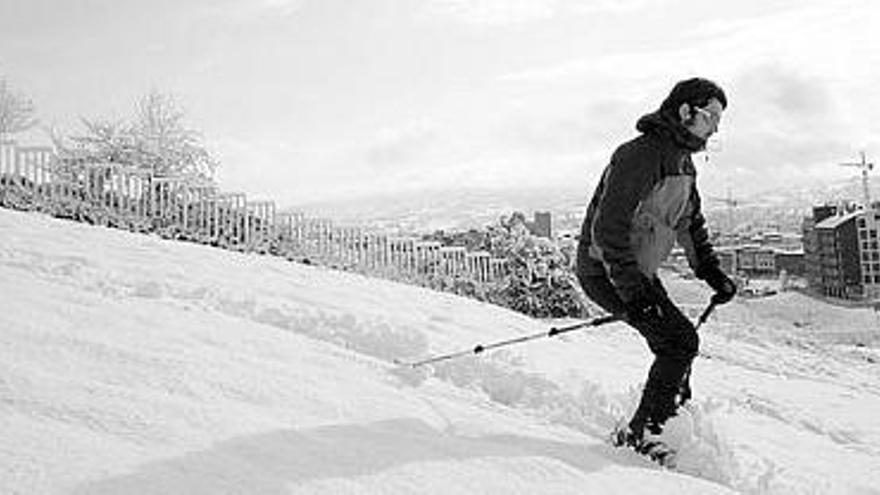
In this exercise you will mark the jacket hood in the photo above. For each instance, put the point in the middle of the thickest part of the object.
(659, 124)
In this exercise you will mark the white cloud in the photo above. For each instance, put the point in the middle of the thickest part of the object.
(237, 10)
(616, 6)
(821, 37)
(503, 12)
(798, 81)
(493, 12)
(405, 146)
(283, 7)
(801, 86)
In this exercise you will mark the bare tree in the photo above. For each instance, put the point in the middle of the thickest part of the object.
(107, 141)
(156, 140)
(17, 111)
(167, 145)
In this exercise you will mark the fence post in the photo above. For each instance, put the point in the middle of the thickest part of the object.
(380, 249)
(7, 159)
(363, 243)
(434, 258)
(343, 246)
(409, 255)
(396, 252)
(232, 218)
(317, 248)
(143, 181)
(260, 222)
(335, 245)
(284, 231)
(203, 195)
(299, 231)
(498, 267)
(166, 205)
(478, 265)
(242, 220)
(335, 236)
(29, 162)
(309, 236)
(327, 238)
(299, 220)
(352, 246)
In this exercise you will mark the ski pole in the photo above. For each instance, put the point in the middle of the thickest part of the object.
(685, 389)
(706, 312)
(480, 348)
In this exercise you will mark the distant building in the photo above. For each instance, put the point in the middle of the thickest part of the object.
(832, 253)
(811, 249)
(842, 255)
(726, 259)
(760, 260)
(822, 212)
(542, 225)
(755, 260)
(793, 262)
(781, 240)
(868, 227)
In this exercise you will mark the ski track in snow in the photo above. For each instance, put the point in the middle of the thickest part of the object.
(751, 380)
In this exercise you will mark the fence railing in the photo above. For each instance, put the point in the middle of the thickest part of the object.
(198, 210)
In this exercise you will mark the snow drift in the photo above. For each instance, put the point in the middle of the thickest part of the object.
(129, 364)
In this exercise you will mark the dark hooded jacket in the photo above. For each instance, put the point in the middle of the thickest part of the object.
(646, 200)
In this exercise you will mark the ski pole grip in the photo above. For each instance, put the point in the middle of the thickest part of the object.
(708, 310)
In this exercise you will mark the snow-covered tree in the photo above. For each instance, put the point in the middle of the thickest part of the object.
(156, 140)
(167, 145)
(539, 281)
(17, 111)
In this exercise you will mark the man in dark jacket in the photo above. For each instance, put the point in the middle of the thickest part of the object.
(647, 200)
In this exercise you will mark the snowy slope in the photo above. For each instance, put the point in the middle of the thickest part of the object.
(129, 364)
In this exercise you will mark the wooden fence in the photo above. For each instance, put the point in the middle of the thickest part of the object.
(199, 210)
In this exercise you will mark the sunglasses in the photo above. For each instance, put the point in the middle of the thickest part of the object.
(713, 118)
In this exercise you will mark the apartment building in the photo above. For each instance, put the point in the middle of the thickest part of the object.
(868, 227)
(842, 254)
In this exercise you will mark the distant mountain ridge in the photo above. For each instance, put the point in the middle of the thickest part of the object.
(461, 209)
(458, 209)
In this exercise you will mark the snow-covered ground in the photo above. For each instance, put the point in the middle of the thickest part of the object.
(132, 365)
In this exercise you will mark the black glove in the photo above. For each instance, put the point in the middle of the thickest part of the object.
(642, 299)
(724, 287)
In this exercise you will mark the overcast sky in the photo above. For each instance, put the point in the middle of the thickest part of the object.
(313, 99)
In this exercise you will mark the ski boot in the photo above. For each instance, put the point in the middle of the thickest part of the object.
(646, 443)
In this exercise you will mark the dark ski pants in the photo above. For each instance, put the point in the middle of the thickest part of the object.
(673, 340)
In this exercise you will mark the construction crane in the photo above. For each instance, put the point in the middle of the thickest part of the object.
(732, 204)
(866, 167)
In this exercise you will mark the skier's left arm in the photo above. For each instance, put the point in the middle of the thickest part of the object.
(694, 238)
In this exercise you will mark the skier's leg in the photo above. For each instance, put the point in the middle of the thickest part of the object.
(686, 343)
(673, 340)
(600, 290)
(684, 391)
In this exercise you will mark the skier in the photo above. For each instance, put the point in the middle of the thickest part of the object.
(647, 200)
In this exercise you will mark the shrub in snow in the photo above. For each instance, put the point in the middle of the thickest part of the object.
(539, 281)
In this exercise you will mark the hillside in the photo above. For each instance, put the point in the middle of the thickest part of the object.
(134, 365)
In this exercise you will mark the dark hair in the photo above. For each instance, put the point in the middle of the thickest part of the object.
(696, 92)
